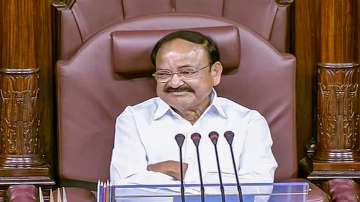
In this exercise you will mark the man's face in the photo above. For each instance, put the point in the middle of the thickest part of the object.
(183, 93)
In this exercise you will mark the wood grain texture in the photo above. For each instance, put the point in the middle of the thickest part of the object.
(26, 42)
(1, 32)
(44, 55)
(337, 31)
(338, 113)
(306, 59)
(338, 93)
(337, 108)
(19, 114)
(326, 31)
(357, 31)
(18, 34)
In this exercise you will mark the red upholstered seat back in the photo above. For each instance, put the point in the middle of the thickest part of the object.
(87, 17)
(90, 95)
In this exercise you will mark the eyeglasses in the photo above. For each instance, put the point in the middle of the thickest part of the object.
(164, 76)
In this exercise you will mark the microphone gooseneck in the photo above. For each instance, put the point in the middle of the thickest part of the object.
(229, 136)
(196, 140)
(180, 141)
(214, 136)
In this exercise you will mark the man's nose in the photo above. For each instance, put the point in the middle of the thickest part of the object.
(175, 81)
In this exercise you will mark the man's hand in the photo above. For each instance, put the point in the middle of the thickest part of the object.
(171, 168)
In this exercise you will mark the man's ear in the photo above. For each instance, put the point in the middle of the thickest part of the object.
(216, 70)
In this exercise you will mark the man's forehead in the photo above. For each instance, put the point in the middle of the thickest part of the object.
(180, 48)
(181, 44)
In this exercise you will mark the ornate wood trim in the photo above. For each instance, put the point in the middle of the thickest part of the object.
(21, 157)
(26, 47)
(19, 124)
(338, 116)
(284, 2)
(19, 71)
(337, 152)
(63, 4)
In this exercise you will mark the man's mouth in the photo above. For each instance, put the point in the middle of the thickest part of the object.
(178, 90)
(178, 93)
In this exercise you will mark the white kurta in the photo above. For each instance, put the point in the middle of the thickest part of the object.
(145, 135)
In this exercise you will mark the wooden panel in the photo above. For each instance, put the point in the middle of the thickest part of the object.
(18, 36)
(306, 59)
(357, 26)
(19, 113)
(338, 115)
(44, 55)
(1, 31)
(25, 42)
(326, 32)
(337, 31)
(337, 147)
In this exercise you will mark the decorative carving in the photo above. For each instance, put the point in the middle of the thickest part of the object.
(25, 42)
(338, 113)
(284, 2)
(63, 4)
(19, 123)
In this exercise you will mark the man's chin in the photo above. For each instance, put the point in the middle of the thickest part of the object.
(179, 102)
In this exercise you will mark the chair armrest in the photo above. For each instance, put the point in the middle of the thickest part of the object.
(22, 193)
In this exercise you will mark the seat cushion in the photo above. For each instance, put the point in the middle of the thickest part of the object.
(22, 193)
(343, 190)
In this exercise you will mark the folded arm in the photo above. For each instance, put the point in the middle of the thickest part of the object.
(129, 163)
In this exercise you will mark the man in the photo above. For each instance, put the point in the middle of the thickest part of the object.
(145, 151)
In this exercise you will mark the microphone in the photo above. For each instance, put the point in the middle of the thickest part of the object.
(229, 136)
(196, 140)
(180, 141)
(214, 138)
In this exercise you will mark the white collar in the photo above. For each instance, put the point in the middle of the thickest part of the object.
(163, 107)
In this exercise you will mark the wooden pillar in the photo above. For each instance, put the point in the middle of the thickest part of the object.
(22, 157)
(305, 52)
(338, 142)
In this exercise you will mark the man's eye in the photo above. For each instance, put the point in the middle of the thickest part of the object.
(163, 74)
(187, 72)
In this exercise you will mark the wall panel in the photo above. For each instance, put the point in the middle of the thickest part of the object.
(306, 57)
(26, 85)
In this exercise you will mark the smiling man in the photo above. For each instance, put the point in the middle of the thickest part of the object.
(145, 152)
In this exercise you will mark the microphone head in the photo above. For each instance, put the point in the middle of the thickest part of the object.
(180, 139)
(229, 136)
(196, 138)
(213, 135)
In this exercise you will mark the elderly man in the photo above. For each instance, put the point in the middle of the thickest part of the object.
(145, 152)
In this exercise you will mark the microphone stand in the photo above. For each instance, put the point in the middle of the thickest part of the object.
(180, 140)
(229, 136)
(196, 140)
(214, 138)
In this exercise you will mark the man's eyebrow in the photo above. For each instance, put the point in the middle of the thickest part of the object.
(180, 67)
(186, 66)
